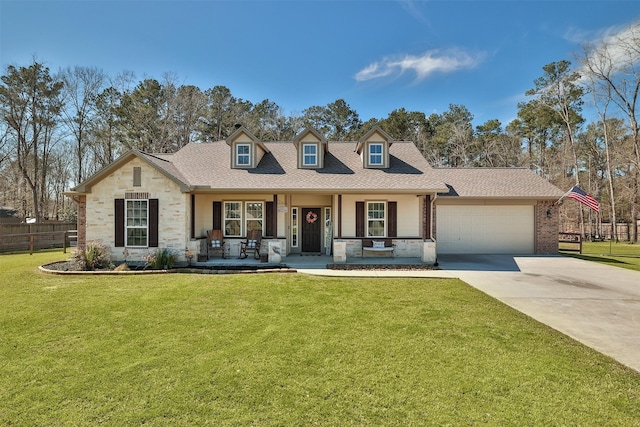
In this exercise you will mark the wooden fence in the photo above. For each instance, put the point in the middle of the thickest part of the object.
(32, 237)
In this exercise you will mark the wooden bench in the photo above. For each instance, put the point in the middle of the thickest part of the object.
(377, 245)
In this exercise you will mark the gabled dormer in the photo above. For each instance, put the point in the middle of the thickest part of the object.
(246, 149)
(311, 147)
(373, 149)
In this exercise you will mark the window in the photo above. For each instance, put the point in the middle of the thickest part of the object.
(376, 219)
(136, 222)
(254, 215)
(236, 224)
(233, 219)
(243, 156)
(327, 227)
(310, 155)
(294, 227)
(375, 154)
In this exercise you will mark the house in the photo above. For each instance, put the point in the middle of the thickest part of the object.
(311, 196)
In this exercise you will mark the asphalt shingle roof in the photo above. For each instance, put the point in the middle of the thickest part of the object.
(209, 165)
(496, 183)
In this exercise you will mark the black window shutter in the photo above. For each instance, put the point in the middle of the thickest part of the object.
(268, 217)
(153, 223)
(217, 215)
(392, 221)
(119, 223)
(359, 219)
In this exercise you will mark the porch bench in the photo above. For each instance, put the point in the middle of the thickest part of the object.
(377, 245)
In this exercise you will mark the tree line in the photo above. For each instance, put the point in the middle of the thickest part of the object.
(57, 129)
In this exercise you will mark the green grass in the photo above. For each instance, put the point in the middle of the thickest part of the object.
(287, 349)
(621, 254)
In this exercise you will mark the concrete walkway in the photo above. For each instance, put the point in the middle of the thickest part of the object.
(596, 304)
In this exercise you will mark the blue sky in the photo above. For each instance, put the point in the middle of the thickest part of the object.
(376, 55)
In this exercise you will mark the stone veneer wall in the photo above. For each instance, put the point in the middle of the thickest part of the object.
(546, 228)
(173, 218)
(410, 248)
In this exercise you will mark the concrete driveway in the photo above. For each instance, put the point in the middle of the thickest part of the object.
(593, 303)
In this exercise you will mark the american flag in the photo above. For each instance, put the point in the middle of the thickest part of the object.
(583, 197)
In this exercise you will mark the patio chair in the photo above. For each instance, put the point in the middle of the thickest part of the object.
(251, 244)
(215, 242)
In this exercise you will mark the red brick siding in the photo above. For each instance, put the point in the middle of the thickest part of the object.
(546, 228)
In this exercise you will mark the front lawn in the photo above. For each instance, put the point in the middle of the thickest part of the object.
(621, 254)
(288, 349)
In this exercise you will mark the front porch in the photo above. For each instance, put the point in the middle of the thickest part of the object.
(298, 261)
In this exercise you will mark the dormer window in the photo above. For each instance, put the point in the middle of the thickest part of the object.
(311, 148)
(243, 154)
(373, 149)
(375, 154)
(310, 157)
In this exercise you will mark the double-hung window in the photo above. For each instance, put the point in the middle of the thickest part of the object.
(254, 214)
(233, 219)
(375, 154)
(243, 155)
(137, 222)
(310, 155)
(376, 219)
(241, 217)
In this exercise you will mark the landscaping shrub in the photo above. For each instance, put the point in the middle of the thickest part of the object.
(161, 258)
(94, 257)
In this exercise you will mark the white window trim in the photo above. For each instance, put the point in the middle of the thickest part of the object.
(381, 154)
(315, 154)
(225, 219)
(238, 155)
(384, 220)
(127, 226)
(247, 219)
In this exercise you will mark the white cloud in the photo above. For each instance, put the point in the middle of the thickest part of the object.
(423, 65)
(621, 45)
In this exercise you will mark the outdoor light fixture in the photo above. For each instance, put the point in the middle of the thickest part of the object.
(549, 213)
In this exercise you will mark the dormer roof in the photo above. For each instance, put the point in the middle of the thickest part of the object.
(310, 134)
(376, 134)
(248, 137)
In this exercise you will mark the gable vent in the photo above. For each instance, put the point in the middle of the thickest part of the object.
(135, 196)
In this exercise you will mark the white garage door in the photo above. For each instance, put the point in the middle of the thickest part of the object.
(485, 229)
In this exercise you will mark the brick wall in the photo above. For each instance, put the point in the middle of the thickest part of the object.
(82, 221)
(547, 216)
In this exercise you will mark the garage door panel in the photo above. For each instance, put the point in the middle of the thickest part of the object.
(485, 229)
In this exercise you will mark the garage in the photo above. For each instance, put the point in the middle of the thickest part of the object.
(485, 229)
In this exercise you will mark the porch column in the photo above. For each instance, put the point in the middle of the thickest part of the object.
(193, 216)
(427, 217)
(274, 215)
(339, 234)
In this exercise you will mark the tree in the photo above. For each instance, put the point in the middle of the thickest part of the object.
(613, 66)
(222, 114)
(81, 88)
(557, 90)
(494, 148)
(139, 117)
(105, 141)
(30, 104)
(190, 106)
(336, 121)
